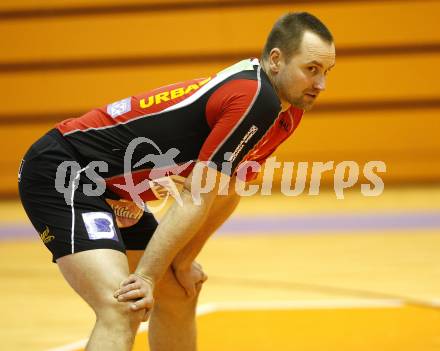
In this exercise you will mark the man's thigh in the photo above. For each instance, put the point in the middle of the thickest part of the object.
(67, 219)
(95, 275)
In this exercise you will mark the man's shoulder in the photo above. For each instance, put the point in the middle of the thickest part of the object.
(247, 65)
(251, 72)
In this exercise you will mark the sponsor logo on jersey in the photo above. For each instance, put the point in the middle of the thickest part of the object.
(171, 95)
(46, 237)
(284, 124)
(243, 141)
(99, 225)
(119, 107)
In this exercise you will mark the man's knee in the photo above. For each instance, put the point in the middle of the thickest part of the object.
(171, 296)
(110, 310)
(177, 295)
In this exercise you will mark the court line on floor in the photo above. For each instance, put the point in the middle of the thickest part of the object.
(226, 306)
(356, 294)
(295, 225)
(333, 222)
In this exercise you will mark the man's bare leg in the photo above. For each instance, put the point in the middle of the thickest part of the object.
(172, 324)
(95, 275)
(173, 318)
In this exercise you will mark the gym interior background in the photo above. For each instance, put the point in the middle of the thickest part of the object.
(295, 256)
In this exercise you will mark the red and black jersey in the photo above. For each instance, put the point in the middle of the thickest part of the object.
(230, 118)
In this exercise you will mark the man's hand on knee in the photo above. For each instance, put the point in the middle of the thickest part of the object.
(190, 278)
(138, 290)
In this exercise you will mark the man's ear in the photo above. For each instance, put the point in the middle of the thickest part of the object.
(275, 58)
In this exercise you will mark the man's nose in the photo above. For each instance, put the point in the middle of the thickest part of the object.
(319, 83)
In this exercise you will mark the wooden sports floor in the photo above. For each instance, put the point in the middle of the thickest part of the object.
(302, 273)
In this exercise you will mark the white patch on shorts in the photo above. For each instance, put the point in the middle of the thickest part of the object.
(99, 225)
(119, 107)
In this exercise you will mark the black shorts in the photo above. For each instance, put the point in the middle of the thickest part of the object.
(65, 226)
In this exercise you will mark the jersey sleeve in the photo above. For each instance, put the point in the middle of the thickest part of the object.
(239, 114)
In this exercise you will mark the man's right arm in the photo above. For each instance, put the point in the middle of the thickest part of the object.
(175, 230)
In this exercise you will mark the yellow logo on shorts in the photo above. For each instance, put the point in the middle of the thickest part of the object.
(46, 237)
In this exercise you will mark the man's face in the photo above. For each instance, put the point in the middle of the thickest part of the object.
(300, 80)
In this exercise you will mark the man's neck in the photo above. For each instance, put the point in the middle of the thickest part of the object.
(265, 67)
(284, 105)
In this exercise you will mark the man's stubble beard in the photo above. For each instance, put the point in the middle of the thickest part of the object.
(300, 103)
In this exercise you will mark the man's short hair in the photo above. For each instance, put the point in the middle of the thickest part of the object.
(288, 31)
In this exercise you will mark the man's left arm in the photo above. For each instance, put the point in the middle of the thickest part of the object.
(221, 210)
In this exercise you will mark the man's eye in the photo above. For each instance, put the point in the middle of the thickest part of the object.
(312, 69)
